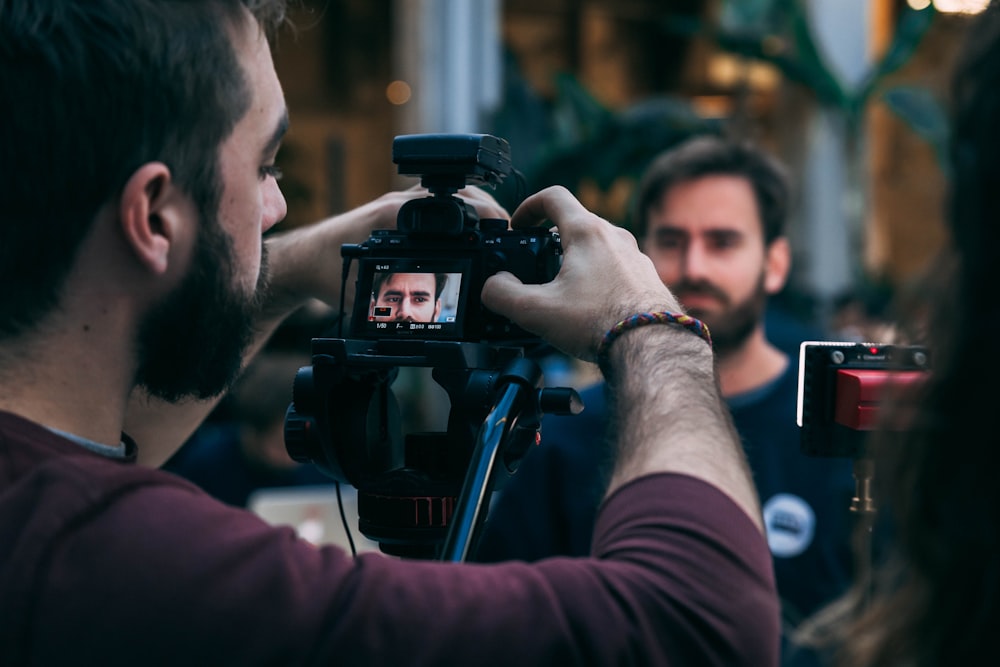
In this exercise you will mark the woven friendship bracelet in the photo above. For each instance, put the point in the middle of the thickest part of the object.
(690, 323)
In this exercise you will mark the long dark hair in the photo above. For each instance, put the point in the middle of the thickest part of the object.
(936, 598)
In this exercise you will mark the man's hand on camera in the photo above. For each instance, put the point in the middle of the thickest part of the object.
(306, 262)
(603, 279)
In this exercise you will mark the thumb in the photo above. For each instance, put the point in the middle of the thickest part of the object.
(502, 292)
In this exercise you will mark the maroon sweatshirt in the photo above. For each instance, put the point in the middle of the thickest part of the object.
(105, 562)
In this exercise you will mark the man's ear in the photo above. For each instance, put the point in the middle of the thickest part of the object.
(150, 216)
(778, 263)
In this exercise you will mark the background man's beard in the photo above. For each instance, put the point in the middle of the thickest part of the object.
(192, 344)
(732, 326)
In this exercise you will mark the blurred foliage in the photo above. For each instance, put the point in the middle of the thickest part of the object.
(575, 141)
(923, 113)
(608, 145)
(779, 32)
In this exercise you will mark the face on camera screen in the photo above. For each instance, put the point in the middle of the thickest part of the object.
(414, 297)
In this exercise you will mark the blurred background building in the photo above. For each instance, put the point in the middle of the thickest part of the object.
(851, 93)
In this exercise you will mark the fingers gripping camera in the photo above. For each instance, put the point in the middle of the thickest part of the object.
(423, 280)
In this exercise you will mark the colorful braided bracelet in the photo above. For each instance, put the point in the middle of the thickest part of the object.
(690, 323)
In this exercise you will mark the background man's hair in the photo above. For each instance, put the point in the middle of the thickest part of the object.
(708, 155)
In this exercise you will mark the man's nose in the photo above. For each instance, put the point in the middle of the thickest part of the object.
(275, 206)
(405, 310)
(696, 262)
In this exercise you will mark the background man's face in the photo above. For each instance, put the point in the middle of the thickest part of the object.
(410, 298)
(706, 241)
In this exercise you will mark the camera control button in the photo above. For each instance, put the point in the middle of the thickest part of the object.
(495, 262)
(492, 225)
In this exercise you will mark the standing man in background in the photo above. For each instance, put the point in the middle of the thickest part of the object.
(710, 214)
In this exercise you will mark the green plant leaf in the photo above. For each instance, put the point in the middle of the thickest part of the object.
(923, 113)
(910, 31)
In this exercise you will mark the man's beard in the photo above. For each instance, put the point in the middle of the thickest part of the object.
(731, 326)
(192, 344)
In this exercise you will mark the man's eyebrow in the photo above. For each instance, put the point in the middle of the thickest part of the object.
(724, 233)
(715, 232)
(271, 147)
(669, 231)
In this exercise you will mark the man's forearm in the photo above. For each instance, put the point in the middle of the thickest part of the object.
(667, 414)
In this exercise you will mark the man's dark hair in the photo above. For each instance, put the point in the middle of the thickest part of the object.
(708, 155)
(91, 91)
(440, 279)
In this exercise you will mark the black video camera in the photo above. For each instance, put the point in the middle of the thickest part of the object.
(423, 280)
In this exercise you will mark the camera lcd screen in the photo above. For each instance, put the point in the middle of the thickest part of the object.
(410, 298)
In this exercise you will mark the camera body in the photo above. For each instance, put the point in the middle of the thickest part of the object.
(443, 251)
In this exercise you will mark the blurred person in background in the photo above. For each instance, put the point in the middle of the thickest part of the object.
(710, 214)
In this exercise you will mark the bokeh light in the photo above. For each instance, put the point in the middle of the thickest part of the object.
(398, 92)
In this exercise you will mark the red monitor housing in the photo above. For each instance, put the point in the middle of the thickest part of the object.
(842, 387)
